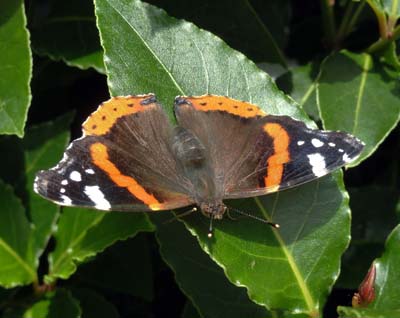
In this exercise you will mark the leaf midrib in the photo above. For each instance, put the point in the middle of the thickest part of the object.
(73, 243)
(360, 95)
(299, 278)
(18, 258)
(148, 48)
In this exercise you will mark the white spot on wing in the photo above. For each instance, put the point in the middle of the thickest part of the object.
(317, 162)
(331, 144)
(300, 143)
(346, 158)
(66, 200)
(317, 143)
(97, 197)
(62, 190)
(35, 185)
(89, 171)
(64, 182)
(341, 150)
(75, 176)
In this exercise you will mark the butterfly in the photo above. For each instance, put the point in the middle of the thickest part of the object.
(132, 158)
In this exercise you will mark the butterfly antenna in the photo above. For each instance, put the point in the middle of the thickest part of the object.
(210, 229)
(274, 225)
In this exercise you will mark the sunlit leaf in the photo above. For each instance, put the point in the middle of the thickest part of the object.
(360, 96)
(15, 68)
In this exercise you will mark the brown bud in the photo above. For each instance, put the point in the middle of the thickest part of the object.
(366, 290)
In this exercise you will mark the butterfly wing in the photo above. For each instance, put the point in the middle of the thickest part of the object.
(122, 162)
(291, 154)
(253, 153)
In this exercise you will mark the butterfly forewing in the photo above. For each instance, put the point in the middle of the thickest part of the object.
(123, 161)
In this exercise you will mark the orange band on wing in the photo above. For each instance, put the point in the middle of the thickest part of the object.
(223, 103)
(101, 121)
(100, 158)
(281, 154)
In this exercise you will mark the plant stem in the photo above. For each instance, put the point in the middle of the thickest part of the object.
(328, 20)
(380, 15)
(382, 42)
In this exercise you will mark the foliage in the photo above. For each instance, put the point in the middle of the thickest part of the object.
(336, 63)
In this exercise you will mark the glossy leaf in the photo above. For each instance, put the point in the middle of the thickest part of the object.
(255, 28)
(387, 292)
(17, 264)
(82, 233)
(388, 275)
(15, 68)
(297, 261)
(162, 51)
(67, 31)
(171, 57)
(358, 95)
(58, 304)
(128, 266)
(199, 277)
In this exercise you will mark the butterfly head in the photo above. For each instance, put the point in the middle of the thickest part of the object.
(213, 210)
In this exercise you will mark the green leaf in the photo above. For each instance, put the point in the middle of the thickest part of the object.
(58, 304)
(171, 57)
(256, 28)
(161, 51)
(387, 292)
(199, 277)
(128, 266)
(83, 233)
(369, 230)
(296, 269)
(15, 68)
(359, 96)
(94, 305)
(41, 148)
(349, 312)
(300, 83)
(387, 274)
(17, 264)
(67, 32)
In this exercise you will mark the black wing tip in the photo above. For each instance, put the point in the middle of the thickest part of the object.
(40, 184)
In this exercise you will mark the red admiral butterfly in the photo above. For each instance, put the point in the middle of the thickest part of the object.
(131, 158)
